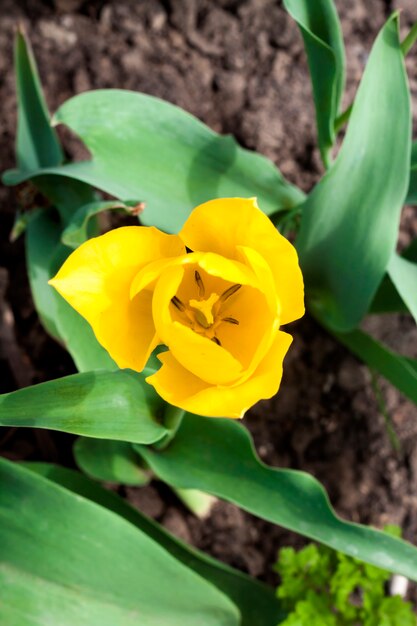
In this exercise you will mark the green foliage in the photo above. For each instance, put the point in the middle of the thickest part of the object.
(77, 230)
(45, 254)
(412, 188)
(217, 456)
(257, 603)
(346, 243)
(112, 461)
(401, 371)
(349, 226)
(403, 274)
(37, 144)
(138, 140)
(108, 405)
(320, 28)
(66, 560)
(320, 586)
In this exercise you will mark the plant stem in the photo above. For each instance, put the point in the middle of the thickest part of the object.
(196, 501)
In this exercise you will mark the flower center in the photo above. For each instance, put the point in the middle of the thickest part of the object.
(204, 310)
(205, 314)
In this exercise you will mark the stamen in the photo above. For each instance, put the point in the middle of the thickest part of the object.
(230, 320)
(178, 304)
(216, 340)
(200, 284)
(229, 292)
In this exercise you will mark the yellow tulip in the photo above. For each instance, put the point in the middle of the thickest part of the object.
(216, 295)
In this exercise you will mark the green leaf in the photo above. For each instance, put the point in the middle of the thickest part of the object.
(77, 230)
(217, 456)
(307, 569)
(403, 274)
(146, 148)
(313, 611)
(412, 188)
(112, 461)
(350, 220)
(393, 612)
(321, 31)
(109, 405)
(65, 560)
(37, 144)
(256, 602)
(387, 299)
(399, 370)
(45, 255)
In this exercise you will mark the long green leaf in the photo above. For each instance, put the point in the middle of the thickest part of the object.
(110, 405)
(350, 220)
(321, 31)
(217, 456)
(37, 144)
(256, 602)
(65, 560)
(148, 149)
(399, 370)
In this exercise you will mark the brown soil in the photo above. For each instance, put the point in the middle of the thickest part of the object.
(240, 67)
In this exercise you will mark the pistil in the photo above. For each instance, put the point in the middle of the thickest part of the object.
(204, 315)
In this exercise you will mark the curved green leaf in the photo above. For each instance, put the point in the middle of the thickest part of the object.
(399, 370)
(322, 34)
(256, 602)
(217, 456)
(350, 220)
(146, 148)
(76, 231)
(45, 255)
(37, 144)
(112, 461)
(110, 405)
(65, 560)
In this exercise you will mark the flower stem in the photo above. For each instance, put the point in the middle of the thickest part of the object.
(196, 501)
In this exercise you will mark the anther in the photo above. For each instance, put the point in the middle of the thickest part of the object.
(200, 284)
(230, 320)
(229, 292)
(216, 340)
(178, 304)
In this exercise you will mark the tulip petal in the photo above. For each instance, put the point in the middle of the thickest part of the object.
(180, 387)
(221, 225)
(96, 278)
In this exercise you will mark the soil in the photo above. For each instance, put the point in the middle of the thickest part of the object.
(240, 67)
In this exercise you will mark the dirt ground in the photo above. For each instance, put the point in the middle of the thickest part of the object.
(240, 67)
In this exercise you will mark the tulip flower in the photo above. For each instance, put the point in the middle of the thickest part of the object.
(216, 295)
